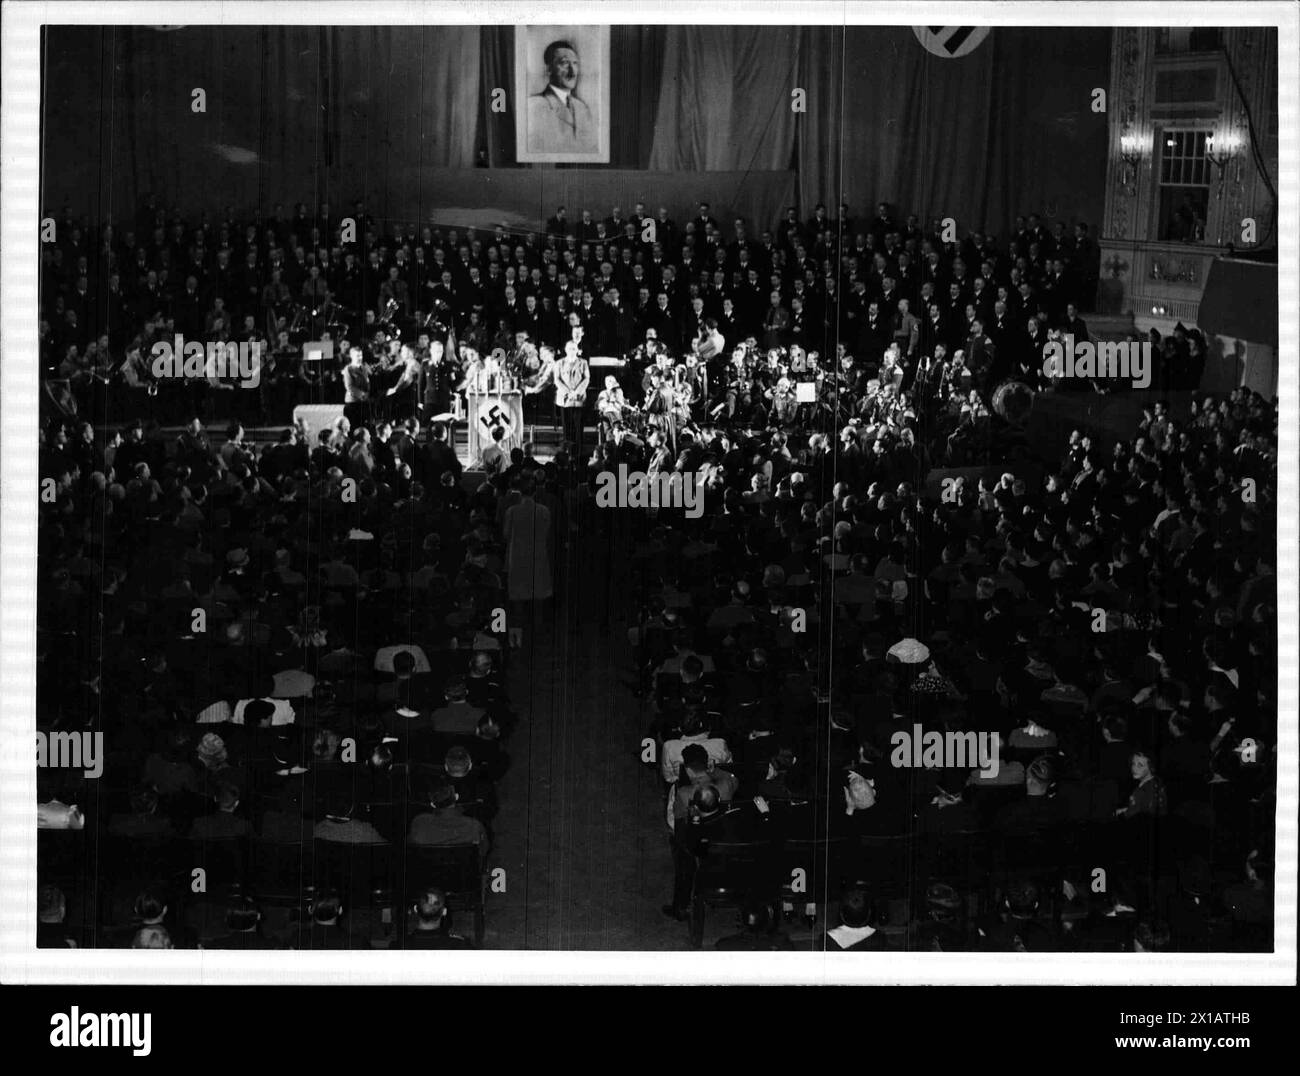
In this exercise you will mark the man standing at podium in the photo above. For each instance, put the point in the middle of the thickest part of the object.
(572, 376)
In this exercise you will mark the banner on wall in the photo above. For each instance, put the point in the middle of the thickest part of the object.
(950, 42)
(561, 93)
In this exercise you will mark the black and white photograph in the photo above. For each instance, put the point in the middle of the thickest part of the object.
(587, 490)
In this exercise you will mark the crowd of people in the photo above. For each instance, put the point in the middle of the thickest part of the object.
(826, 286)
(808, 376)
(288, 682)
(1114, 623)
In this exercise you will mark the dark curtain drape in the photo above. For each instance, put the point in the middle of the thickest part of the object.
(725, 103)
(1054, 145)
(497, 50)
(300, 113)
(293, 113)
(637, 59)
(1004, 130)
(819, 132)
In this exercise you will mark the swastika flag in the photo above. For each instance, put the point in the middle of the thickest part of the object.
(950, 42)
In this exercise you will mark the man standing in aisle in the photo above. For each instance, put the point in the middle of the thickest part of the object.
(527, 530)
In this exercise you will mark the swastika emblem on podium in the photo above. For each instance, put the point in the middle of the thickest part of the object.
(492, 416)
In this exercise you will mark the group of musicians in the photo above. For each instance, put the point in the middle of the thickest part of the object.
(395, 370)
(652, 390)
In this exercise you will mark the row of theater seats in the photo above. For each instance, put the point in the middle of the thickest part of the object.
(291, 781)
(1075, 870)
(384, 881)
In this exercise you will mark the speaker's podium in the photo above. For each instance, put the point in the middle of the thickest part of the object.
(488, 411)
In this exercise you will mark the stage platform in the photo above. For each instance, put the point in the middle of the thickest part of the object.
(545, 440)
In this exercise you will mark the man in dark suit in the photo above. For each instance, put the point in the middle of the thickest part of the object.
(243, 928)
(883, 286)
(225, 822)
(440, 455)
(188, 309)
(1086, 264)
(954, 316)
(933, 331)
(906, 277)
(643, 314)
(873, 335)
(934, 272)
(558, 224)
(855, 932)
(749, 301)
(980, 352)
(982, 298)
(510, 309)
(530, 318)
(704, 222)
(845, 223)
(432, 927)
(1074, 324)
(1040, 235)
(666, 232)
(589, 317)
(615, 325)
(1039, 810)
(692, 323)
(790, 230)
(1056, 290)
(664, 324)
(707, 823)
(818, 222)
(585, 231)
(327, 930)
(776, 323)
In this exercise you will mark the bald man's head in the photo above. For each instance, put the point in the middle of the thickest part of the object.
(706, 800)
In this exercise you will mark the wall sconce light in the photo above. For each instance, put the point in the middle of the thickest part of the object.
(1223, 148)
(1131, 149)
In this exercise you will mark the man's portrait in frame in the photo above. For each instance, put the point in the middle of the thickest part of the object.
(562, 94)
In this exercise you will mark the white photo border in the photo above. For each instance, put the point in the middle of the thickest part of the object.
(21, 962)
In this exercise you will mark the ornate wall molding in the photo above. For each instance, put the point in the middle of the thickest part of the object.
(1130, 49)
(1174, 269)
